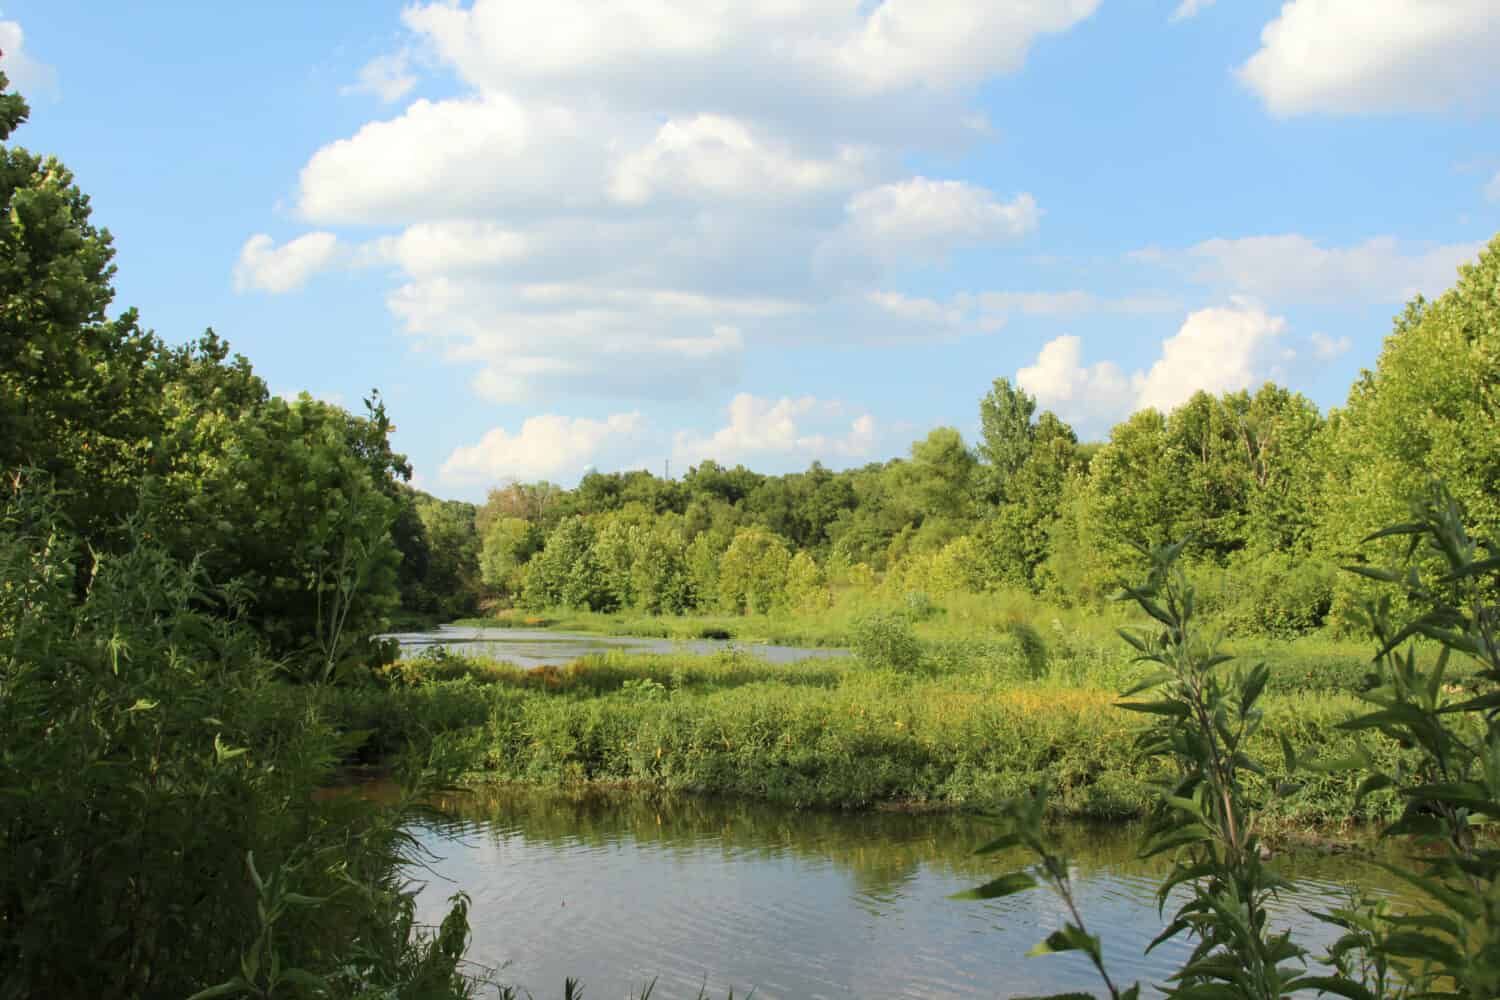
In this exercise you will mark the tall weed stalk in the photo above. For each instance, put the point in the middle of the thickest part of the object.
(1447, 777)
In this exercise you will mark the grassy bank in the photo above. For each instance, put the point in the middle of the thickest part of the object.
(977, 723)
(1067, 633)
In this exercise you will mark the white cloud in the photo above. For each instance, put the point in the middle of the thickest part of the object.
(546, 447)
(1326, 348)
(1088, 394)
(914, 309)
(1217, 350)
(265, 267)
(431, 249)
(923, 217)
(1492, 189)
(786, 429)
(26, 74)
(618, 204)
(651, 54)
(388, 78)
(1371, 56)
(533, 340)
(711, 156)
(989, 311)
(1190, 8)
(453, 159)
(1290, 268)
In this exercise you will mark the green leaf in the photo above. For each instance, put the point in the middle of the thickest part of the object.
(230, 988)
(1336, 985)
(1209, 991)
(223, 751)
(1174, 709)
(1373, 783)
(1006, 842)
(1149, 682)
(1252, 687)
(1005, 885)
(1070, 938)
(1412, 944)
(1381, 575)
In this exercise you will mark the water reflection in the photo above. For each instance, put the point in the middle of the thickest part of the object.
(620, 889)
(539, 647)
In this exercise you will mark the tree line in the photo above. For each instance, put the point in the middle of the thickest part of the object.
(1273, 494)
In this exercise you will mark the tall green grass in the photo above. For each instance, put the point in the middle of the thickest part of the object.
(971, 726)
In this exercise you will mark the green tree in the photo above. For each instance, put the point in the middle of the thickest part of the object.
(1006, 434)
(753, 571)
(941, 475)
(1014, 542)
(661, 575)
(566, 573)
(806, 584)
(76, 388)
(284, 499)
(1427, 410)
(615, 547)
(453, 574)
(508, 545)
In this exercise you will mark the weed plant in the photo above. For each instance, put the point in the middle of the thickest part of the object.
(162, 828)
(1208, 815)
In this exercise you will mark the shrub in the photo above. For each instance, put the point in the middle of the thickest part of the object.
(886, 641)
(161, 832)
(1275, 594)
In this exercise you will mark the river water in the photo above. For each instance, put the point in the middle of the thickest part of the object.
(544, 647)
(619, 890)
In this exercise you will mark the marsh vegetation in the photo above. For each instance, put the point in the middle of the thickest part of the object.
(195, 573)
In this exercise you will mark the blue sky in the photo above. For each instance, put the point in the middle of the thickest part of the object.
(613, 233)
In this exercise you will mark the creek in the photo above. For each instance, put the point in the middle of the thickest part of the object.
(619, 889)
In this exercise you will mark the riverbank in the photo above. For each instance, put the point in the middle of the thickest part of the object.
(973, 726)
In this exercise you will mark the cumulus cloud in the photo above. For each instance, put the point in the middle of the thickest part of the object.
(388, 78)
(1371, 56)
(711, 156)
(453, 159)
(546, 447)
(617, 194)
(1089, 394)
(27, 74)
(536, 339)
(785, 429)
(927, 217)
(1216, 350)
(263, 266)
(1291, 268)
(649, 54)
(460, 246)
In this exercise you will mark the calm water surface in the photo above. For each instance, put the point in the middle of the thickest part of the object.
(544, 647)
(618, 890)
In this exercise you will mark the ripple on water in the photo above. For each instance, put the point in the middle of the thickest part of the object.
(792, 904)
